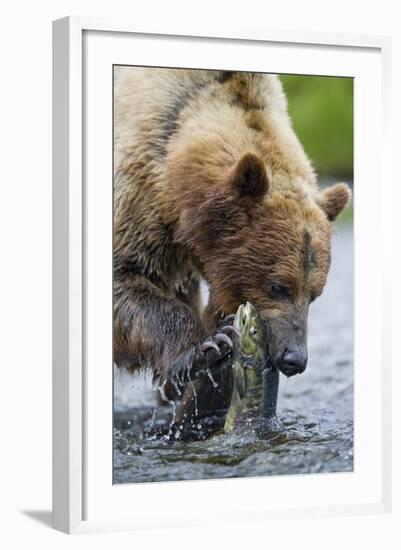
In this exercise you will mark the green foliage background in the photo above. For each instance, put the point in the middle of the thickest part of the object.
(321, 109)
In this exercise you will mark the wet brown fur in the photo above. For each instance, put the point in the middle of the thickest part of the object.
(210, 182)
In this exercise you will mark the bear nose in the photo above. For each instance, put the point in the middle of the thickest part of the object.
(293, 362)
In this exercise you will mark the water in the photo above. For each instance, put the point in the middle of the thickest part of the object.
(313, 431)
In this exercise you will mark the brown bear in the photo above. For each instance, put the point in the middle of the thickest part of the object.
(211, 183)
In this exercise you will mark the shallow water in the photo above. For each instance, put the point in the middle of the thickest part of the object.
(313, 431)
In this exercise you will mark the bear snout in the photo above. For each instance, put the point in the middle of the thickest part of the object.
(293, 362)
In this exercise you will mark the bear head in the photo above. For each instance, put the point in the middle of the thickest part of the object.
(266, 244)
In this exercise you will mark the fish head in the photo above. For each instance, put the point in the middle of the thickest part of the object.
(252, 330)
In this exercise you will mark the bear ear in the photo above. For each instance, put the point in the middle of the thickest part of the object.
(334, 199)
(249, 178)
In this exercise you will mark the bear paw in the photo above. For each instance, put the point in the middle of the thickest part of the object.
(214, 349)
(202, 359)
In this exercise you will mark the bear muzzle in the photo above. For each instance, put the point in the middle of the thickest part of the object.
(292, 362)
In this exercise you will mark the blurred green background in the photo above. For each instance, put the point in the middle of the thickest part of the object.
(321, 109)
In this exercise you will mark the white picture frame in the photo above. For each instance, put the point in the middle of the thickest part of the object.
(80, 44)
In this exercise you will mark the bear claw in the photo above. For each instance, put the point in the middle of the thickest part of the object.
(221, 337)
(209, 344)
(230, 328)
(212, 351)
(229, 318)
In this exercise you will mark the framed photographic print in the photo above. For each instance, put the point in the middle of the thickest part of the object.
(220, 333)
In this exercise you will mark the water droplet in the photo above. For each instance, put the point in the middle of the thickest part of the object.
(193, 389)
(177, 389)
(152, 422)
(208, 372)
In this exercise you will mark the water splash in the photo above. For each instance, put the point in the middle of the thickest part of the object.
(163, 392)
(210, 376)
(163, 395)
(152, 422)
(171, 425)
(193, 389)
(176, 387)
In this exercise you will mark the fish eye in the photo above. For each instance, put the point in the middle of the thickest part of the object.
(253, 330)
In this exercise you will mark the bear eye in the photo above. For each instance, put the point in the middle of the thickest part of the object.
(279, 291)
